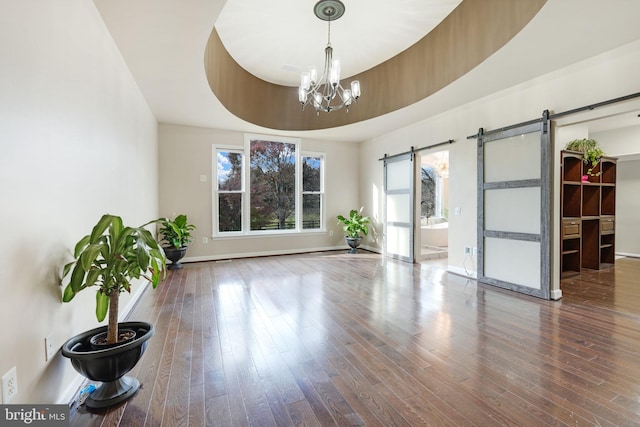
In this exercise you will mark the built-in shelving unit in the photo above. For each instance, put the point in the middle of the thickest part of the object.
(588, 214)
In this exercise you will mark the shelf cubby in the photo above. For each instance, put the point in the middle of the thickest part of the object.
(572, 167)
(570, 256)
(571, 199)
(590, 200)
(608, 167)
(608, 202)
(607, 250)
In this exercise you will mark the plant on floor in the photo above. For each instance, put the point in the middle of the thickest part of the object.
(590, 150)
(109, 259)
(355, 225)
(176, 234)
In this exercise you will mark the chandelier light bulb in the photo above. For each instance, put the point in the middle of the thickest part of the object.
(355, 89)
(334, 72)
(305, 81)
(347, 97)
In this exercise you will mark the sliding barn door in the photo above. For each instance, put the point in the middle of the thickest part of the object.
(399, 182)
(514, 213)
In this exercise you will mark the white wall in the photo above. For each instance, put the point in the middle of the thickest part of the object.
(625, 144)
(606, 76)
(186, 154)
(78, 140)
(627, 208)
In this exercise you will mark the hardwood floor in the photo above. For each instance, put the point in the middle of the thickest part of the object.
(334, 339)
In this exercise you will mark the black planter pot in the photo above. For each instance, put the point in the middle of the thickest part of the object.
(109, 365)
(353, 242)
(175, 255)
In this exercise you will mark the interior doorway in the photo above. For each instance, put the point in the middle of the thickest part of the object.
(432, 231)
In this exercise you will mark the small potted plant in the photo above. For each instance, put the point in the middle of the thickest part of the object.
(355, 225)
(591, 153)
(176, 234)
(108, 260)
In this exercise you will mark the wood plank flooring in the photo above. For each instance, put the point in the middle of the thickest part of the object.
(331, 339)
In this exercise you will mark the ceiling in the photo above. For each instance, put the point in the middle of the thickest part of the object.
(291, 39)
(163, 45)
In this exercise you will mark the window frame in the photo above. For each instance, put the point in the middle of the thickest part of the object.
(216, 191)
(245, 150)
(299, 210)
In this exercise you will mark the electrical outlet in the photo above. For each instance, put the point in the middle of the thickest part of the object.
(49, 348)
(9, 385)
(205, 240)
(467, 250)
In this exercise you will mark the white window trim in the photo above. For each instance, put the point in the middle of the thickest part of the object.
(323, 159)
(214, 187)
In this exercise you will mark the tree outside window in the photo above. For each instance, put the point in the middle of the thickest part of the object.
(272, 190)
(230, 191)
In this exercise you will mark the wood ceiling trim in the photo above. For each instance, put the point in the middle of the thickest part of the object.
(470, 34)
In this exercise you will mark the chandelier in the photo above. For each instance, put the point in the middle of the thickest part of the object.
(325, 93)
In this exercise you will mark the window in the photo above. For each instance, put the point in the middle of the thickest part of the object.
(312, 166)
(229, 189)
(269, 186)
(272, 189)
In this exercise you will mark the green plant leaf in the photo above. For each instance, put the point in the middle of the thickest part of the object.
(77, 276)
(92, 277)
(143, 256)
(67, 268)
(155, 276)
(181, 221)
(68, 294)
(102, 305)
(89, 255)
(101, 226)
(82, 243)
(148, 239)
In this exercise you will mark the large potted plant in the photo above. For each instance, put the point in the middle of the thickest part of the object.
(355, 225)
(108, 260)
(175, 234)
(591, 153)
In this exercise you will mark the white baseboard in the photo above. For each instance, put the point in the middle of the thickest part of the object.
(627, 254)
(70, 393)
(261, 253)
(462, 272)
